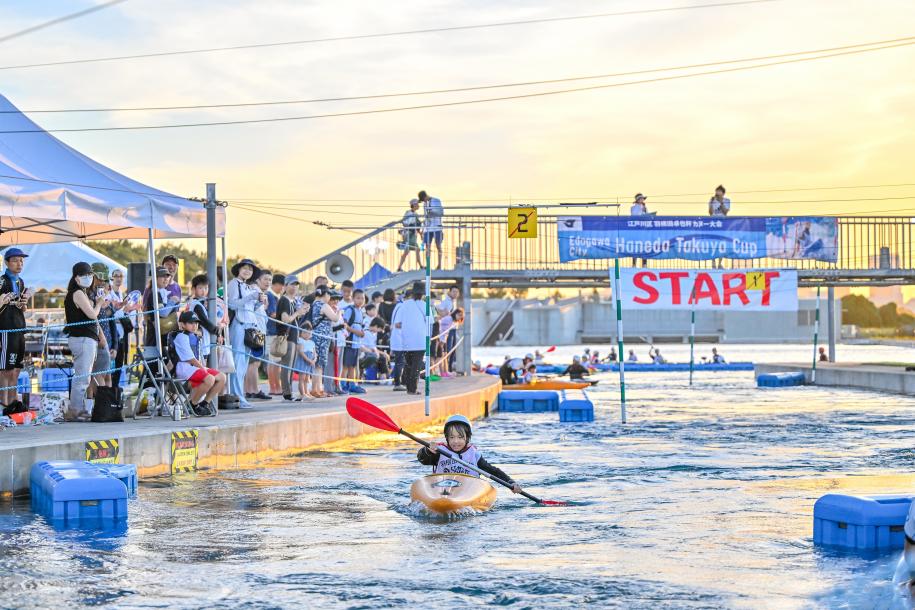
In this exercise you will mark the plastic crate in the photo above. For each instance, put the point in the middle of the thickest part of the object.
(55, 379)
(76, 493)
(861, 523)
(779, 380)
(575, 406)
(528, 401)
(24, 383)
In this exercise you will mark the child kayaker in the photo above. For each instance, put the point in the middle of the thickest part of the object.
(530, 376)
(457, 439)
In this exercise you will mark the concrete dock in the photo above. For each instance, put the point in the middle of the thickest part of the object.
(877, 377)
(233, 439)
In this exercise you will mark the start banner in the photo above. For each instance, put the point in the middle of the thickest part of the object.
(698, 237)
(744, 290)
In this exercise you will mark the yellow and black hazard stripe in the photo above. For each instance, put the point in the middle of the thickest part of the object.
(103, 451)
(184, 450)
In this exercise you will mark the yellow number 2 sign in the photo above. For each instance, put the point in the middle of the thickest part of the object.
(522, 223)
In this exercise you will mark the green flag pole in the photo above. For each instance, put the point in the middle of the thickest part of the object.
(692, 333)
(619, 336)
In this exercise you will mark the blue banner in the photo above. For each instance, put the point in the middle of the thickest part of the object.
(698, 237)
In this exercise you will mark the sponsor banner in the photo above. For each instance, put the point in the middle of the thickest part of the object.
(103, 452)
(709, 290)
(698, 237)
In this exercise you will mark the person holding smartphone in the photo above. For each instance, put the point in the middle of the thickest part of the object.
(13, 300)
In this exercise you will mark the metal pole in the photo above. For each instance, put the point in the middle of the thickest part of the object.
(831, 321)
(619, 336)
(692, 342)
(428, 324)
(467, 330)
(227, 337)
(211, 267)
(154, 289)
(816, 331)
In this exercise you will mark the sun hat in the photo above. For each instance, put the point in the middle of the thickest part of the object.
(245, 261)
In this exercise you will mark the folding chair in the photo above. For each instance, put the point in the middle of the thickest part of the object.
(171, 393)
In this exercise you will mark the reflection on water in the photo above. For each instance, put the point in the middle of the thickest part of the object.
(703, 501)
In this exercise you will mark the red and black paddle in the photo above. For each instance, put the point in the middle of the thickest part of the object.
(370, 415)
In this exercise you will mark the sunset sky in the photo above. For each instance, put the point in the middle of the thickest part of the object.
(841, 121)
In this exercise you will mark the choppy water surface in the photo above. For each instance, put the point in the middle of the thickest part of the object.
(703, 500)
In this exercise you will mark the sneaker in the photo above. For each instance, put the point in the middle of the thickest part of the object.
(356, 389)
(261, 396)
(201, 409)
(245, 405)
(400, 388)
(345, 387)
(287, 397)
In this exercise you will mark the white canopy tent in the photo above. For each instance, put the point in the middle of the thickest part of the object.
(51, 192)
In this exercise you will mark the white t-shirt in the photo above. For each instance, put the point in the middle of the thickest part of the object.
(413, 330)
(369, 341)
(396, 335)
(183, 348)
(433, 214)
(446, 304)
(638, 209)
(720, 208)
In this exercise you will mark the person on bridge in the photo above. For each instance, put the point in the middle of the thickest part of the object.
(432, 223)
(410, 235)
(639, 208)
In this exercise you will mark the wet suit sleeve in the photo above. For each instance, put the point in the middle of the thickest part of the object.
(201, 312)
(486, 467)
(426, 457)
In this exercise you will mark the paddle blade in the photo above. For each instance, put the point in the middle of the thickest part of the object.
(370, 415)
(552, 349)
(554, 503)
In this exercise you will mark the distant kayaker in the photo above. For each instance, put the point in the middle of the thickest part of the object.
(575, 370)
(457, 439)
(611, 357)
(717, 358)
(538, 357)
(655, 355)
(511, 368)
(632, 357)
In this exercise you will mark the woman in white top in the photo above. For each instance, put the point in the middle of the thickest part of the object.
(242, 299)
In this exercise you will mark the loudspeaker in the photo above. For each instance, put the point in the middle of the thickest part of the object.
(137, 276)
(339, 268)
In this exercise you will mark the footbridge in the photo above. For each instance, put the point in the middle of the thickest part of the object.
(477, 253)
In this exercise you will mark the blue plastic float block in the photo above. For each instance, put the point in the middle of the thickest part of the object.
(125, 473)
(779, 380)
(55, 380)
(23, 383)
(371, 373)
(71, 493)
(575, 406)
(528, 401)
(861, 522)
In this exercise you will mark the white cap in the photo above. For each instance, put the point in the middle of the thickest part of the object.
(910, 522)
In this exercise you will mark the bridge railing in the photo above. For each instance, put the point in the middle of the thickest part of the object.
(865, 243)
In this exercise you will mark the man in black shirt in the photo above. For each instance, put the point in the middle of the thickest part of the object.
(13, 299)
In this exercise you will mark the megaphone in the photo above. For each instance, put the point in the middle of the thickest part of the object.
(339, 268)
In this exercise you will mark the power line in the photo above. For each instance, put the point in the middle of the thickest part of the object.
(457, 103)
(383, 34)
(46, 24)
(459, 89)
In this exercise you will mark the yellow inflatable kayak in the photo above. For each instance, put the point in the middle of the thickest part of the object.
(447, 493)
(551, 384)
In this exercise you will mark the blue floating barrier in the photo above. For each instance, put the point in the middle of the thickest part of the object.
(74, 493)
(528, 401)
(861, 522)
(779, 380)
(575, 406)
(125, 473)
(55, 379)
(650, 367)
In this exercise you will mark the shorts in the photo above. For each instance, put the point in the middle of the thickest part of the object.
(428, 236)
(12, 351)
(350, 356)
(199, 375)
(256, 353)
(102, 364)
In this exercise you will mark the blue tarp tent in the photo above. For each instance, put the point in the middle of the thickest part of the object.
(373, 276)
(50, 266)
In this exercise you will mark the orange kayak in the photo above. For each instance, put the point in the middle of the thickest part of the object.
(447, 493)
(551, 384)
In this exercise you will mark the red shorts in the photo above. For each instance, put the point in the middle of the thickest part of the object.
(199, 375)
